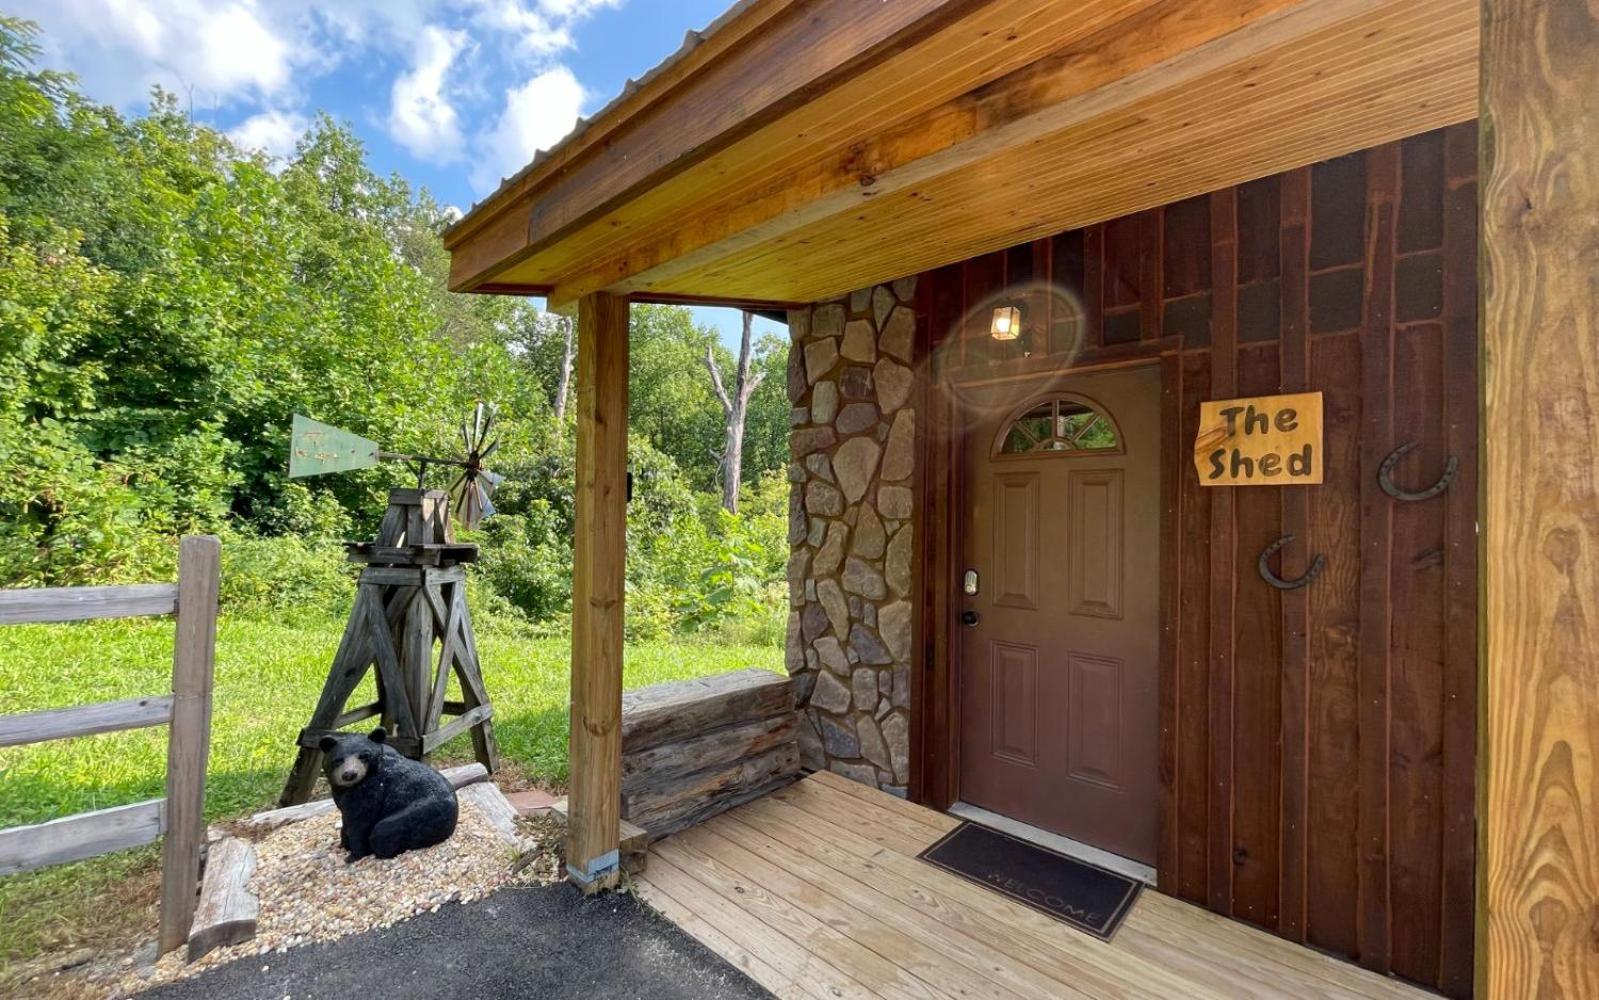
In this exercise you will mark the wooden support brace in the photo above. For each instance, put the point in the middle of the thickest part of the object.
(1538, 791)
(593, 833)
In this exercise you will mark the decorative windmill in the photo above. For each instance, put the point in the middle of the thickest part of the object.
(410, 620)
(316, 448)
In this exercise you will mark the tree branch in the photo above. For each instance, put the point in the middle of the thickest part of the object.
(716, 380)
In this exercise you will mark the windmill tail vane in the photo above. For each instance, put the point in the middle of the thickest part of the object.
(316, 449)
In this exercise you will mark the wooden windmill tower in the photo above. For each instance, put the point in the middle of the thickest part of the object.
(410, 623)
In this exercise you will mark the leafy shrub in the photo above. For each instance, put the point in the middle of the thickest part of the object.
(526, 560)
(286, 574)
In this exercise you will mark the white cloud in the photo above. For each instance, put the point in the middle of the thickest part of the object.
(272, 132)
(421, 116)
(262, 60)
(537, 115)
(543, 27)
(219, 50)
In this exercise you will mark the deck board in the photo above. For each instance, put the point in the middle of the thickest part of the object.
(816, 891)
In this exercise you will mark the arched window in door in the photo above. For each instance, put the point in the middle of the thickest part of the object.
(1060, 425)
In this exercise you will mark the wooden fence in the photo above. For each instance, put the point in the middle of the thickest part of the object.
(186, 711)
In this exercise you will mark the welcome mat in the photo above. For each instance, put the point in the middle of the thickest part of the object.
(1086, 896)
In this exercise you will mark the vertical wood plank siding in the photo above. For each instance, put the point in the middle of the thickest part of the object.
(1318, 746)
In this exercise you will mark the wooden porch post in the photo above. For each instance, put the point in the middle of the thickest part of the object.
(594, 798)
(1538, 818)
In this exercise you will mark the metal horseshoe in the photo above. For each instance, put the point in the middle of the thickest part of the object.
(1385, 476)
(1266, 574)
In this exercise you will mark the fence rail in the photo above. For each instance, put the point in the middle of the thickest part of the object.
(177, 818)
(84, 720)
(76, 604)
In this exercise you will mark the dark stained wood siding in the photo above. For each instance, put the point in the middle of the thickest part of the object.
(1318, 745)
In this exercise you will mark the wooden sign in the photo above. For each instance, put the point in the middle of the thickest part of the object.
(1261, 441)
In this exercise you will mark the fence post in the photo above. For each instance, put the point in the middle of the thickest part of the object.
(188, 744)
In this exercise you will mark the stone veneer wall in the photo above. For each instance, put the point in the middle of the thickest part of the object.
(850, 378)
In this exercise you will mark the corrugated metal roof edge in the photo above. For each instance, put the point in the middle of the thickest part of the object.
(691, 41)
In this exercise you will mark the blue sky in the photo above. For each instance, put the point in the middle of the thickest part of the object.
(451, 94)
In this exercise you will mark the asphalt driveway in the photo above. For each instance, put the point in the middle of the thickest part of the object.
(540, 942)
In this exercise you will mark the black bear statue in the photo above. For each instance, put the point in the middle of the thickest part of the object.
(390, 804)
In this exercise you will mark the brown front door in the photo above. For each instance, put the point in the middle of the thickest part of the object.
(1059, 672)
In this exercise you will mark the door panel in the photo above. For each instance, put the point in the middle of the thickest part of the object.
(1059, 669)
(1094, 506)
(1015, 684)
(1016, 541)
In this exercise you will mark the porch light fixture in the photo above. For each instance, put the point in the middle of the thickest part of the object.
(1007, 323)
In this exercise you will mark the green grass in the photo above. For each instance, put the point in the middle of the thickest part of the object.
(268, 677)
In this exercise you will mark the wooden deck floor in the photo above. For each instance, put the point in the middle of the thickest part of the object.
(815, 891)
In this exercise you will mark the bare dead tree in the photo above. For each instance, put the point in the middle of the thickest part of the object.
(563, 385)
(734, 408)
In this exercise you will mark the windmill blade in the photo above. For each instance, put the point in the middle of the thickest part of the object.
(477, 425)
(489, 450)
(488, 424)
(469, 507)
(316, 448)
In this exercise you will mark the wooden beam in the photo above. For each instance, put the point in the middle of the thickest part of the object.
(84, 720)
(228, 911)
(1161, 46)
(1538, 816)
(699, 49)
(84, 835)
(72, 604)
(1407, 68)
(773, 71)
(597, 593)
(189, 739)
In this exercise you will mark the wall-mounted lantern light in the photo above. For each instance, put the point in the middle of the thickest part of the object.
(1007, 323)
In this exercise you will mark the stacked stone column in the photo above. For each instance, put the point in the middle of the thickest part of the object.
(851, 531)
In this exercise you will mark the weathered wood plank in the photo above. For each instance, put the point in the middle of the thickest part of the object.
(84, 720)
(1223, 556)
(487, 798)
(1376, 570)
(671, 713)
(1462, 351)
(1294, 359)
(71, 604)
(670, 806)
(729, 743)
(1539, 816)
(598, 592)
(189, 742)
(456, 727)
(228, 911)
(85, 835)
(458, 777)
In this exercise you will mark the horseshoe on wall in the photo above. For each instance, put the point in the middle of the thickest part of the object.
(1386, 471)
(1264, 564)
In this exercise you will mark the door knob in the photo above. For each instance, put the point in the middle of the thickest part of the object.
(968, 618)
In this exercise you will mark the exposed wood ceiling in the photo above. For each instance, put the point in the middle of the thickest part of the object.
(832, 145)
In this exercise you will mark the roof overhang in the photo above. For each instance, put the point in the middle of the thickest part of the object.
(805, 148)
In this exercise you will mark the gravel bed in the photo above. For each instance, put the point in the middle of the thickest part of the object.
(308, 893)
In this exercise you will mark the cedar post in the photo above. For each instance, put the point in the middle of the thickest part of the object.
(594, 822)
(1538, 815)
(189, 739)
